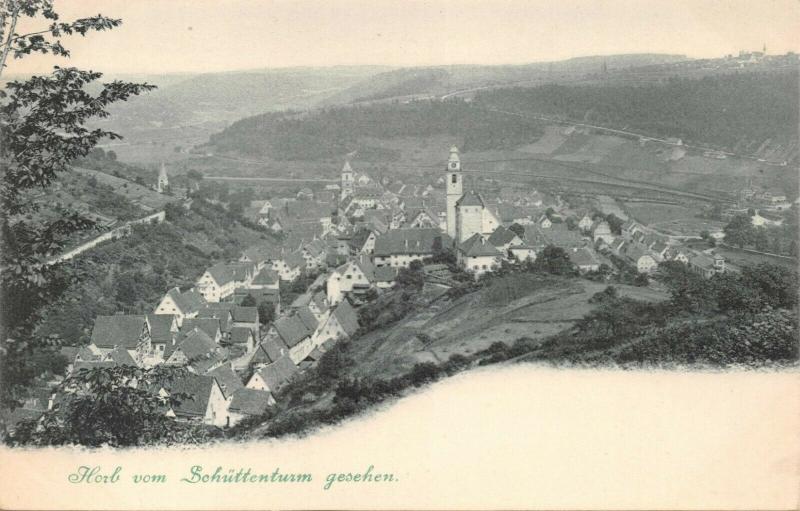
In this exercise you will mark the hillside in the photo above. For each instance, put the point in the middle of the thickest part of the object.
(442, 80)
(424, 334)
(131, 274)
(744, 113)
(502, 131)
(336, 131)
(186, 109)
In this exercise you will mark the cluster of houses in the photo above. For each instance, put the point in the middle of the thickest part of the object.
(355, 237)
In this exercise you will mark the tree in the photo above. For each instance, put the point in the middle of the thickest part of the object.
(411, 278)
(554, 260)
(739, 231)
(43, 131)
(615, 223)
(248, 301)
(760, 240)
(779, 285)
(116, 406)
(173, 211)
(266, 313)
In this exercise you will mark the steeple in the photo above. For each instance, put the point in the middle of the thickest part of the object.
(454, 183)
(347, 181)
(163, 181)
(454, 162)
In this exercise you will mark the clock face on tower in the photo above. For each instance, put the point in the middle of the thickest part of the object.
(453, 165)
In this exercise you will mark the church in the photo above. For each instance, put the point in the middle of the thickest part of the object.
(467, 213)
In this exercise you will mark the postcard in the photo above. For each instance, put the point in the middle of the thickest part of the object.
(487, 254)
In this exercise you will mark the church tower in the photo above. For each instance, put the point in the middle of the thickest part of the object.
(163, 181)
(455, 184)
(348, 181)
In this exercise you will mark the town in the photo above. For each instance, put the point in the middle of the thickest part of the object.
(346, 245)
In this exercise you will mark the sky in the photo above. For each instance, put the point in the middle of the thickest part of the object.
(160, 36)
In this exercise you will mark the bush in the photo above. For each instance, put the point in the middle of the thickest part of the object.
(423, 373)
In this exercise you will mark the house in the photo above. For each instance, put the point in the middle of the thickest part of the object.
(399, 247)
(267, 278)
(273, 376)
(260, 255)
(644, 261)
(544, 222)
(295, 332)
(193, 346)
(163, 331)
(385, 277)
(247, 403)
(357, 275)
(268, 351)
(205, 401)
(245, 317)
(210, 326)
(220, 281)
(244, 338)
(222, 313)
(291, 266)
(676, 254)
(227, 379)
(181, 304)
(120, 357)
(421, 219)
(340, 324)
(584, 259)
(362, 242)
(585, 223)
(602, 231)
(127, 331)
(316, 302)
(502, 239)
(707, 265)
(522, 253)
(477, 255)
(314, 253)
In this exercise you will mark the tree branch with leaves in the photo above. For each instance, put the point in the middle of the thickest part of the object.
(42, 130)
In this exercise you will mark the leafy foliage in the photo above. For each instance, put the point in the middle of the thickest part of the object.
(118, 406)
(43, 130)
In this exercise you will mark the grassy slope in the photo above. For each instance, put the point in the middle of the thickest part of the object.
(474, 321)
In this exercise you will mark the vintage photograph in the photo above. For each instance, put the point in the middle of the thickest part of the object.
(228, 222)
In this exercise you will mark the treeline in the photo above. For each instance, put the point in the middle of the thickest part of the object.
(747, 319)
(736, 111)
(337, 131)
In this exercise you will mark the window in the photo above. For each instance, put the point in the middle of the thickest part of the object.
(454, 177)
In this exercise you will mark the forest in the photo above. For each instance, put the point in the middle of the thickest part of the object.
(336, 131)
(736, 111)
